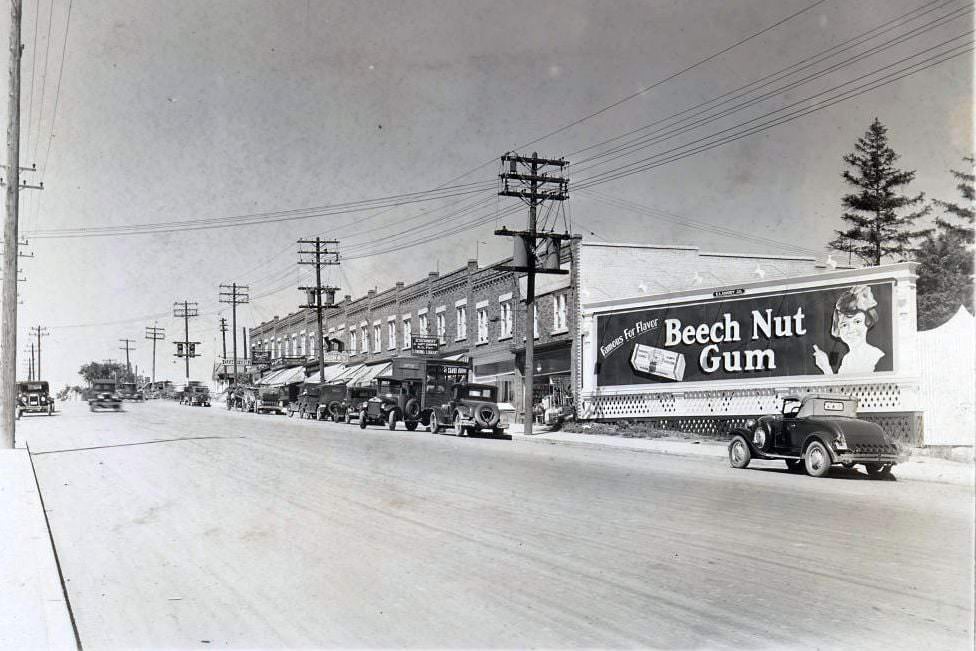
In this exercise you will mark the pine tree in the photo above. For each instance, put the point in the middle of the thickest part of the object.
(964, 212)
(876, 230)
(945, 272)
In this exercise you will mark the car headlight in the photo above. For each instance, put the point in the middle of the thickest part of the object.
(750, 423)
(840, 443)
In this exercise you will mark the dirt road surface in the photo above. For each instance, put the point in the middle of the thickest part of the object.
(187, 527)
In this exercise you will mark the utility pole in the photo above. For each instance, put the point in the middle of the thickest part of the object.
(30, 363)
(244, 342)
(235, 295)
(8, 325)
(186, 348)
(127, 347)
(39, 332)
(155, 334)
(533, 188)
(324, 253)
(223, 337)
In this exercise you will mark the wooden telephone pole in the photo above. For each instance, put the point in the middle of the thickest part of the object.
(321, 255)
(235, 295)
(38, 332)
(186, 348)
(155, 334)
(126, 346)
(223, 337)
(534, 187)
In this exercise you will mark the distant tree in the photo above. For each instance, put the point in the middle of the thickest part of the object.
(945, 272)
(97, 370)
(876, 231)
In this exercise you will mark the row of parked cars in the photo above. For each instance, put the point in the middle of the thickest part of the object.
(416, 391)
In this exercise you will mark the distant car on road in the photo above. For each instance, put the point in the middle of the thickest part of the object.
(129, 391)
(103, 395)
(814, 433)
(34, 398)
(196, 396)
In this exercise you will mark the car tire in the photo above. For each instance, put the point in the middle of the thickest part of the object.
(411, 425)
(878, 470)
(391, 419)
(458, 426)
(794, 465)
(739, 453)
(435, 426)
(816, 459)
(362, 420)
(411, 409)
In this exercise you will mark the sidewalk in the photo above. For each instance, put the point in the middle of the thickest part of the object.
(33, 612)
(919, 468)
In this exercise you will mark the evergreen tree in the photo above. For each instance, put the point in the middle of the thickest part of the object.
(964, 212)
(945, 272)
(876, 230)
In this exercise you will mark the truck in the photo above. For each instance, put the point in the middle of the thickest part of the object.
(33, 397)
(103, 395)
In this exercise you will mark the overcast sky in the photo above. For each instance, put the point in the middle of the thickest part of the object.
(187, 110)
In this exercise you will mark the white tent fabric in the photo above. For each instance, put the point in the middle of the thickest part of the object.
(269, 379)
(351, 371)
(284, 376)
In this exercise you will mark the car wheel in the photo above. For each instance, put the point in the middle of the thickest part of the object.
(739, 454)
(458, 425)
(435, 427)
(878, 470)
(794, 465)
(816, 459)
(348, 418)
(362, 420)
(411, 425)
(391, 419)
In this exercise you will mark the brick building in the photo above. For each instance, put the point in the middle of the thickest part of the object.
(478, 313)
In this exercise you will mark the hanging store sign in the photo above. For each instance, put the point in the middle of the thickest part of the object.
(836, 331)
(424, 344)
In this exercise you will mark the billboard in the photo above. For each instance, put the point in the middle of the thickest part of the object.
(844, 330)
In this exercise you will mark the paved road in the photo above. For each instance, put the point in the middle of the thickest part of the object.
(195, 528)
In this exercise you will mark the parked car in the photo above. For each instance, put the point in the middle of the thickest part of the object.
(472, 408)
(269, 402)
(34, 398)
(385, 407)
(356, 401)
(129, 391)
(196, 396)
(308, 402)
(813, 433)
(103, 395)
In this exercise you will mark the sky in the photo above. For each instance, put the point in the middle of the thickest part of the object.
(150, 112)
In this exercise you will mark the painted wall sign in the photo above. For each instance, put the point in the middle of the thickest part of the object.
(836, 331)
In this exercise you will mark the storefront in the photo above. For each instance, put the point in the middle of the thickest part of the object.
(707, 359)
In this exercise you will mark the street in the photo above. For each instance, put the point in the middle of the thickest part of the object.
(187, 527)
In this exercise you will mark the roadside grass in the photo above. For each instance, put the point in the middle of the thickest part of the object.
(630, 429)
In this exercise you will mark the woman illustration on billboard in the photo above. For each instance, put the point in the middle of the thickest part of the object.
(854, 314)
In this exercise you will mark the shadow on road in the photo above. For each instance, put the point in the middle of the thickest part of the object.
(833, 473)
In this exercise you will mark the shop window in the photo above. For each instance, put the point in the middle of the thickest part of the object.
(482, 325)
(391, 334)
(505, 320)
(506, 391)
(441, 327)
(462, 322)
(559, 323)
(406, 334)
(311, 346)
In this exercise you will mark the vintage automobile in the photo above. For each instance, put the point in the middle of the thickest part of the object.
(196, 396)
(356, 401)
(308, 402)
(813, 433)
(34, 398)
(104, 396)
(471, 408)
(129, 391)
(386, 406)
(269, 402)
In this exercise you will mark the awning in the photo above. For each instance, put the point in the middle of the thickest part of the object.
(284, 376)
(331, 372)
(370, 374)
(460, 357)
(350, 372)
